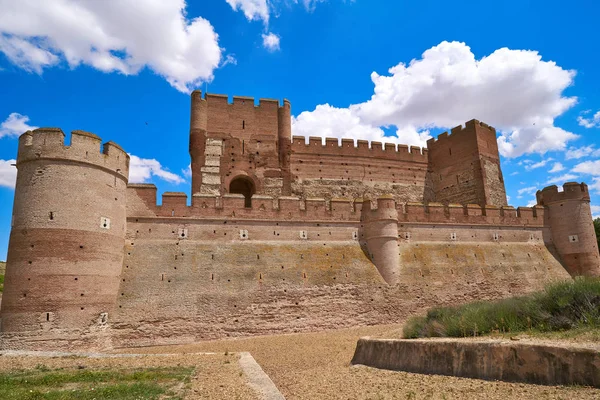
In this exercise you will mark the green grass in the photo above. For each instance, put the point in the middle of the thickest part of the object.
(1, 283)
(67, 384)
(570, 305)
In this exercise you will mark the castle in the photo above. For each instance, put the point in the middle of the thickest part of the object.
(281, 234)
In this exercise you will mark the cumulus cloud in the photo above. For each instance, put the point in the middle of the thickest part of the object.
(328, 121)
(513, 90)
(15, 125)
(8, 173)
(593, 122)
(557, 167)
(271, 41)
(111, 36)
(141, 170)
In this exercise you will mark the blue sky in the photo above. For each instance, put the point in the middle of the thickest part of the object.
(361, 69)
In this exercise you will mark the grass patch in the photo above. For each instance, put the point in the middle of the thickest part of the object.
(569, 305)
(1, 283)
(67, 384)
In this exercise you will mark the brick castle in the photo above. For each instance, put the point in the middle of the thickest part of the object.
(282, 234)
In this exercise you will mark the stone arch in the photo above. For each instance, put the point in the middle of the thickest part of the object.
(245, 186)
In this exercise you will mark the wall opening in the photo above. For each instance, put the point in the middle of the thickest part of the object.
(244, 186)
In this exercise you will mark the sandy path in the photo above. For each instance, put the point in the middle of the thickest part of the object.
(317, 366)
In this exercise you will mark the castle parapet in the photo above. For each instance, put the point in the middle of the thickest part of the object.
(459, 130)
(363, 148)
(85, 147)
(571, 191)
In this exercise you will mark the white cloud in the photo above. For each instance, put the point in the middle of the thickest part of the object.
(595, 211)
(561, 179)
(310, 4)
(588, 167)
(327, 121)
(513, 90)
(253, 9)
(15, 125)
(580, 152)
(8, 173)
(531, 166)
(112, 36)
(593, 122)
(142, 169)
(557, 167)
(527, 190)
(187, 172)
(270, 41)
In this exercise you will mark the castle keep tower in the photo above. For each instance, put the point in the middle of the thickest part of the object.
(570, 219)
(66, 244)
(465, 166)
(239, 147)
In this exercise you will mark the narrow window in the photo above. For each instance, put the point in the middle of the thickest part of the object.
(47, 317)
(51, 215)
(243, 124)
(450, 150)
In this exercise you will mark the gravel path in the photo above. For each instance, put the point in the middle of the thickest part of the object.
(317, 366)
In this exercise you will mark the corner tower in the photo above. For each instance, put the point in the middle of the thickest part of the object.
(570, 218)
(66, 244)
(465, 166)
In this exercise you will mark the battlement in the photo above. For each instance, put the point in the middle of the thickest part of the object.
(231, 206)
(239, 101)
(363, 148)
(459, 130)
(85, 147)
(571, 191)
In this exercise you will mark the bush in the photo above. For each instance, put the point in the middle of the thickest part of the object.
(559, 306)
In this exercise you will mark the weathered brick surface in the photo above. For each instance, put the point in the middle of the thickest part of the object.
(335, 234)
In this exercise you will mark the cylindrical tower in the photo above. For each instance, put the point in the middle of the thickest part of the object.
(381, 235)
(570, 219)
(66, 244)
(198, 124)
(284, 137)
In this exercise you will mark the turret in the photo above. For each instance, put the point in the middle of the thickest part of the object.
(380, 231)
(66, 244)
(284, 138)
(570, 219)
(198, 126)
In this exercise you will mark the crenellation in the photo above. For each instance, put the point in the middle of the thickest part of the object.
(570, 191)
(337, 226)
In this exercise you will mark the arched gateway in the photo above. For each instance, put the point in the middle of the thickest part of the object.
(243, 185)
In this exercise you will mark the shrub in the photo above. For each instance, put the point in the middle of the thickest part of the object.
(559, 306)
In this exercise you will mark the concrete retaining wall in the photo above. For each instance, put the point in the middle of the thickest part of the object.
(490, 360)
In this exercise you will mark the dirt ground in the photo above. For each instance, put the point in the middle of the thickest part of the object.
(317, 366)
(217, 376)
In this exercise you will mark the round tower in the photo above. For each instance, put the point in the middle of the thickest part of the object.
(198, 126)
(381, 235)
(569, 217)
(284, 137)
(66, 244)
